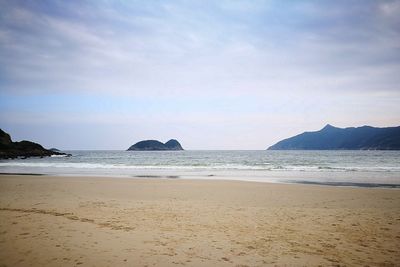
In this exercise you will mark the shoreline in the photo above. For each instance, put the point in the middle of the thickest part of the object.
(100, 221)
(218, 178)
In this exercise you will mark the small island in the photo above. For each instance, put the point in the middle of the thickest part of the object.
(154, 145)
(23, 149)
(351, 138)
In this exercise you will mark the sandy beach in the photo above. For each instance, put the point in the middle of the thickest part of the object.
(88, 221)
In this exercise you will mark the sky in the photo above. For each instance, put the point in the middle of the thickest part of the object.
(211, 74)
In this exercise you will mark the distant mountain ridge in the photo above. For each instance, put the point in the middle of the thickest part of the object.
(154, 145)
(352, 138)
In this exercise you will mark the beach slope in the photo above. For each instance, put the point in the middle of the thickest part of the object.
(88, 221)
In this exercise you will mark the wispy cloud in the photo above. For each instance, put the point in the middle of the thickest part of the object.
(268, 59)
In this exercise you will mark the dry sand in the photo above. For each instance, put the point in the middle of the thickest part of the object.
(67, 221)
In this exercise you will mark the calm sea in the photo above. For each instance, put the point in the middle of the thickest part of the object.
(363, 168)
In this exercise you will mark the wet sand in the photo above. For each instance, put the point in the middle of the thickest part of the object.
(87, 221)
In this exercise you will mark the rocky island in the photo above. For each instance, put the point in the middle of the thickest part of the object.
(154, 145)
(23, 149)
(352, 138)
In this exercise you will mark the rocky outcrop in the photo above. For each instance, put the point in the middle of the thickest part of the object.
(154, 145)
(173, 145)
(352, 138)
(23, 149)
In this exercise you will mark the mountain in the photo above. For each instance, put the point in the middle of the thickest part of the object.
(24, 149)
(352, 138)
(154, 145)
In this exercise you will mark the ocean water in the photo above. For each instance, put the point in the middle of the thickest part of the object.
(363, 168)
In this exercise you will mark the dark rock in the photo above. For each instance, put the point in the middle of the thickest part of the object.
(54, 149)
(173, 145)
(352, 138)
(154, 145)
(23, 149)
(5, 138)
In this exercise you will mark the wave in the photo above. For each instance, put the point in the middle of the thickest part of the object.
(300, 168)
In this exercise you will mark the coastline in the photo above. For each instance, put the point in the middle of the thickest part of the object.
(218, 178)
(374, 169)
(63, 221)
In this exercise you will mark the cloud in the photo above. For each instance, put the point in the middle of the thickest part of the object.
(256, 62)
(185, 47)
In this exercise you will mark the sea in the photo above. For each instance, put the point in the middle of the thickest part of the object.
(338, 168)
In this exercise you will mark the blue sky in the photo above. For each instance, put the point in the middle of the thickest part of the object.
(212, 74)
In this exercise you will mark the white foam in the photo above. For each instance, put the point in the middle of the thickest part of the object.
(82, 165)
